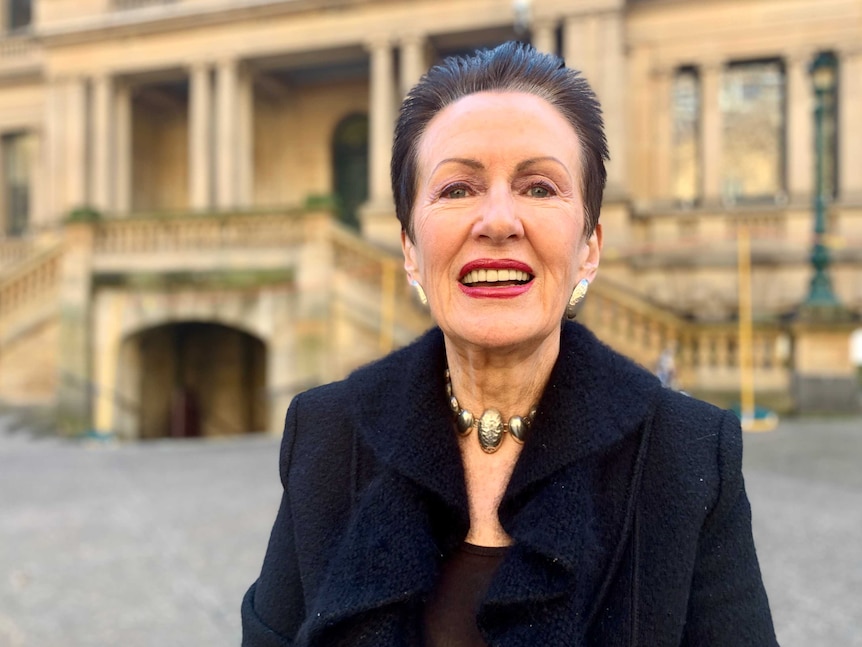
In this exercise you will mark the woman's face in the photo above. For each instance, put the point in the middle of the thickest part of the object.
(499, 219)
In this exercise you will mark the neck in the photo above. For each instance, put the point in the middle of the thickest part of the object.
(509, 380)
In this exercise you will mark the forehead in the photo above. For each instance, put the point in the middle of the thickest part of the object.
(498, 124)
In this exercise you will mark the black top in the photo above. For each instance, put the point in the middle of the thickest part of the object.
(450, 615)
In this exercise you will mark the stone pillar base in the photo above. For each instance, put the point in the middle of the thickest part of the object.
(824, 379)
(826, 394)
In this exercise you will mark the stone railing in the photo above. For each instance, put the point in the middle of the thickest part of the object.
(707, 356)
(31, 287)
(372, 280)
(14, 251)
(19, 53)
(678, 231)
(141, 235)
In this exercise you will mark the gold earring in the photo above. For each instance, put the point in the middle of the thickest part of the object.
(423, 298)
(577, 299)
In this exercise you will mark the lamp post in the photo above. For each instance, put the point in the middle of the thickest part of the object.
(821, 298)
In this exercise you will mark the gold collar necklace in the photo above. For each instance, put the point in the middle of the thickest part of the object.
(490, 426)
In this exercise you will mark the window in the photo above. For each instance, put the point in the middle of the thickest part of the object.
(16, 182)
(686, 137)
(752, 105)
(19, 14)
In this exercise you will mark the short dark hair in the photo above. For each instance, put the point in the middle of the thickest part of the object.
(513, 67)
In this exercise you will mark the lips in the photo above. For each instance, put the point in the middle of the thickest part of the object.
(495, 273)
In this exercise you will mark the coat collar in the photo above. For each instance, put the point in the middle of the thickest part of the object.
(567, 506)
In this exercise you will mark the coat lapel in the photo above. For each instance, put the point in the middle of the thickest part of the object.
(567, 507)
(411, 513)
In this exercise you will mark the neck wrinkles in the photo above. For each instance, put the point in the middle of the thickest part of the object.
(509, 380)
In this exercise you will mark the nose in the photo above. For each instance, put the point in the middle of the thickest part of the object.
(498, 219)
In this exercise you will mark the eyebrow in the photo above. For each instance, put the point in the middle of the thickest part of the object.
(477, 165)
(464, 161)
(536, 160)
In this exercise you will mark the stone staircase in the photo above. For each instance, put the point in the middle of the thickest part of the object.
(372, 295)
(29, 290)
(372, 309)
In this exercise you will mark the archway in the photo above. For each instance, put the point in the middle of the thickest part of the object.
(196, 379)
(350, 166)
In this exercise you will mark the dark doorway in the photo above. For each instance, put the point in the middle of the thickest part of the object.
(200, 379)
(15, 151)
(350, 167)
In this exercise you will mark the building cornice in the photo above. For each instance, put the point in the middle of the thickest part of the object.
(161, 18)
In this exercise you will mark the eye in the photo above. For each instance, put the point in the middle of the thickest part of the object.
(540, 190)
(455, 191)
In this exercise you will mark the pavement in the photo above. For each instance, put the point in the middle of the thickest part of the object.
(153, 544)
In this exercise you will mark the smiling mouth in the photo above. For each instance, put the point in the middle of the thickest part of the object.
(496, 278)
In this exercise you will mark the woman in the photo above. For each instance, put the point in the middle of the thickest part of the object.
(507, 479)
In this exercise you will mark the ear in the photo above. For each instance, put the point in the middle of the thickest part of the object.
(590, 265)
(409, 250)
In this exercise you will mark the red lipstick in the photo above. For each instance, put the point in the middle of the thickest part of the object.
(494, 264)
(491, 292)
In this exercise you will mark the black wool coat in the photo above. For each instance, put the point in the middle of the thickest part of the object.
(627, 511)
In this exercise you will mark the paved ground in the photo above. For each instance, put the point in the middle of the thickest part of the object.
(153, 544)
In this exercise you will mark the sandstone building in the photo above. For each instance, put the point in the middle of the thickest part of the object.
(196, 221)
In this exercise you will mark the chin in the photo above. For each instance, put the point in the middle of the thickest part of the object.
(505, 335)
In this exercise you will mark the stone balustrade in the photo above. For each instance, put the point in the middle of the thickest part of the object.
(372, 282)
(19, 54)
(13, 251)
(198, 233)
(371, 294)
(678, 231)
(707, 356)
(33, 283)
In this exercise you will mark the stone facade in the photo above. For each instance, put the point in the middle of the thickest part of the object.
(140, 109)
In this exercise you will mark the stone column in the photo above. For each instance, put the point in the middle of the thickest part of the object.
(413, 61)
(850, 125)
(377, 216)
(102, 142)
(611, 56)
(579, 35)
(123, 154)
(382, 121)
(226, 138)
(245, 139)
(711, 132)
(800, 131)
(200, 132)
(76, 145)
(544, 36)
(55, 162)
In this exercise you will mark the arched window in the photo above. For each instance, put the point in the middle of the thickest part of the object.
(350, 167)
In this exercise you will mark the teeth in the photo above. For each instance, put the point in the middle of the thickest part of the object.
(494, 276)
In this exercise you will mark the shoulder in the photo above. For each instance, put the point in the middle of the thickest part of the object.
(371, 381)
(323, 420)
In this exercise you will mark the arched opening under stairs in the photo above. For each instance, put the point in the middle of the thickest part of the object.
(194, 379)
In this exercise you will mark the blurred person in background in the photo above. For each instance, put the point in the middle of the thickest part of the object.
(506, 479)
